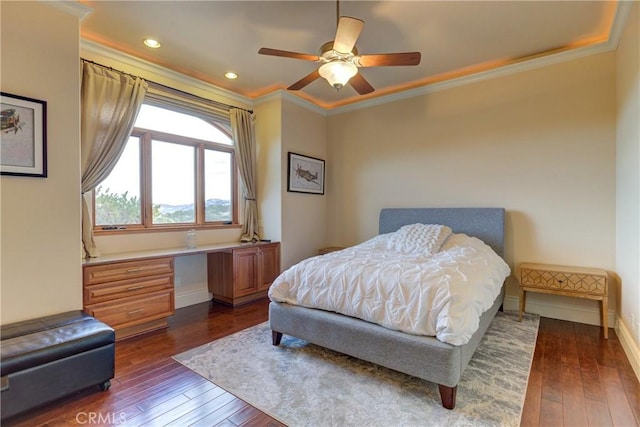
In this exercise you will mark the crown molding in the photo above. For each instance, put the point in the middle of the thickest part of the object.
(506, 70)
(623, 9)
(286, 96)
(70, 7)
(275, 95)
(301, 102)
(617, 27)
(91, 47)
(530, 64)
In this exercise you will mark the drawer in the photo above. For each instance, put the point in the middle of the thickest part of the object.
(564, 281)
(109, 291)
(135, 310)
(127, 270)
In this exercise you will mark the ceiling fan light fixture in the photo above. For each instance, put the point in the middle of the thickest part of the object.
(338, 73)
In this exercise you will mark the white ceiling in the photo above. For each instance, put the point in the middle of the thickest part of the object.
(204, 39)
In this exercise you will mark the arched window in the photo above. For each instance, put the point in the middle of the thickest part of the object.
(177, 170)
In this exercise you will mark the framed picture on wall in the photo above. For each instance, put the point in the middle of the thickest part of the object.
(306, 174)
(23, 142)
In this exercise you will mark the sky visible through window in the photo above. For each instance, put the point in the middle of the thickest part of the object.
(162, 120)
(171, 185)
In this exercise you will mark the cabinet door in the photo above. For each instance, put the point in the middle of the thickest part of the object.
(245, 271)
(269, 265)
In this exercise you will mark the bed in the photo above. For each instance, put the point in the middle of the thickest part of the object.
(421, 356)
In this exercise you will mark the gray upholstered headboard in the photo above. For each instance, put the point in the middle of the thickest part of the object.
(487, 224)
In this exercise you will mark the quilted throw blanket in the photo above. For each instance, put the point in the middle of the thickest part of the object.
(421, 279)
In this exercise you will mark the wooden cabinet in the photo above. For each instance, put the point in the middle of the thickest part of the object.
(132, 297)
(134, 292)
(579, 282)
(243, 274)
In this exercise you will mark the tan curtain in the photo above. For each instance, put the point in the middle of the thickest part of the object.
(110, 102)
(243, 135)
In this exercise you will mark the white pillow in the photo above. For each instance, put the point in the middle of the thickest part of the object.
(419, 239)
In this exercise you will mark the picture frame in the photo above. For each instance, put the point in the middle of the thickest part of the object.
(23, 137)
(305, 174)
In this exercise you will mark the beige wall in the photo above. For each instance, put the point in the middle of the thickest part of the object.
(40, 223)
(297, 220)
(540, 143)
(628, 183)
(304, 216)
(269, 142)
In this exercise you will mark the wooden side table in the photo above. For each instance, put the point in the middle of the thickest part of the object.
(328, 249)
(581, 282)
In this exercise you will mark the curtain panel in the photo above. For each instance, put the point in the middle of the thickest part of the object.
(243, 135)
(110, 102)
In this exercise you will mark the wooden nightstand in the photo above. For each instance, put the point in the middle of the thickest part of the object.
(581, 282)
(329, 249)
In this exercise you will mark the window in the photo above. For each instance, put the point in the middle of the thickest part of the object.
(177, 170)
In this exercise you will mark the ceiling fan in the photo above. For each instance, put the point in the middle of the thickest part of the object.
(340, 59)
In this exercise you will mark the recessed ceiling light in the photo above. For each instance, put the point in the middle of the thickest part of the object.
(152, 43)
(231, 75)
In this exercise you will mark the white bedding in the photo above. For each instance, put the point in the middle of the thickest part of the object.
(436, 286)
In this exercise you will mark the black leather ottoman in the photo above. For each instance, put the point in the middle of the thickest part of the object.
(51, 357)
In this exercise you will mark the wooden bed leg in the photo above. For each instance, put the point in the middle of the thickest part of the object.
(276, 337)
(448, 395)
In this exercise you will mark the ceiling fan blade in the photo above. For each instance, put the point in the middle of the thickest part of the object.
(385, 59)
(360, 84)
(287, 54)
(347, 33)
(304, 81)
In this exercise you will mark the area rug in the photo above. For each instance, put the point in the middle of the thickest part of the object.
(301, 384)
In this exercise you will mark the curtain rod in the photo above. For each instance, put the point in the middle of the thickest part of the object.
(167, 87)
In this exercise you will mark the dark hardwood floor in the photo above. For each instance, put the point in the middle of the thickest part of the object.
(580, 379)
(577, 379)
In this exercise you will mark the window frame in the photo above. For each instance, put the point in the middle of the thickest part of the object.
(146, 137)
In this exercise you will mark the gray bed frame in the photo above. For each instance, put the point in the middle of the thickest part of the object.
(420, 356)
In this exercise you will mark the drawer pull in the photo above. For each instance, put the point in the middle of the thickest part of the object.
(134, 270)
(131, 313)
(134, 288)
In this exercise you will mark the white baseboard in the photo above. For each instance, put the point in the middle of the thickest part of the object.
(631, 348)
(184, 299)
(590, 316)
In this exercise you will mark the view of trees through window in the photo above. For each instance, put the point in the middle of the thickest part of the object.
(118, 196)
(171, 179)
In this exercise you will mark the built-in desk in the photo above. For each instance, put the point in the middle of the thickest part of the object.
(134, 292)
(172, 252)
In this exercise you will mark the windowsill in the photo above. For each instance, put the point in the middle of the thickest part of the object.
(163, 229)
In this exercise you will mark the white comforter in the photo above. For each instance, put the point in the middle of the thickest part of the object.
(440, 291)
